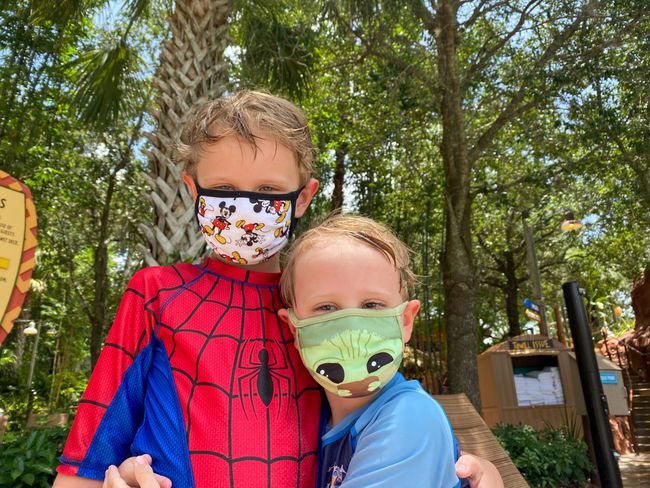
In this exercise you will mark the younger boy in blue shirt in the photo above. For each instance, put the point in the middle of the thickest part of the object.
(348, 282)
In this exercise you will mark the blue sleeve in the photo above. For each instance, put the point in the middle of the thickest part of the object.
(408, 444)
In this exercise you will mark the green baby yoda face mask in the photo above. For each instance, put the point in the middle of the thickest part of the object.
(352, 352)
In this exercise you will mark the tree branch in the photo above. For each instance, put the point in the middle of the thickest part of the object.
(514, 106)
(485, 55)
(479, 12)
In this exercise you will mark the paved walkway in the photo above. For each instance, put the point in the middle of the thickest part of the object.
(635, 470)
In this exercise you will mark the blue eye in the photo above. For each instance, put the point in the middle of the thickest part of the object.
(267, 189)
(328, 307)
(373, 305)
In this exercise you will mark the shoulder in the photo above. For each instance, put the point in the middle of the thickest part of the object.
(411, 407)
(406, 441)
(153, 278)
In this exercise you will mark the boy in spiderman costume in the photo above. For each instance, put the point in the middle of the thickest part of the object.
(197, 370)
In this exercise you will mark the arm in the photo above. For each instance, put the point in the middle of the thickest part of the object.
(409, 444)
(65, 481)
(109, 414)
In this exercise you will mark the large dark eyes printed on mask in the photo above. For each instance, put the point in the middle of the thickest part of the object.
(378, 360)
(332, 371)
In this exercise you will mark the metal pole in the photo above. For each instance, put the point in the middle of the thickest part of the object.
(595, 400)
(33, 361)
(533, 270)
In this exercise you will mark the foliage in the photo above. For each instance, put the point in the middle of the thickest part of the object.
(29, 458)
(569, 133)
(546, 458)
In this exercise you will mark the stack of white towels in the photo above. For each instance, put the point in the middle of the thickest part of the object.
(539, 387)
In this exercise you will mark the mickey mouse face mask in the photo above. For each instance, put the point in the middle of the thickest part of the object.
(245, 227)
(352, 352)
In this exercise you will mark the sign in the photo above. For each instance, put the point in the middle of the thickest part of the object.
(17, 248)
(533, 316)
(531, 305)
(522, 344)
(608, 378)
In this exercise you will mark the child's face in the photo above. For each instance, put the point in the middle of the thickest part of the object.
(250, 231)
(232, 164)
(355, 358)
(344, 274)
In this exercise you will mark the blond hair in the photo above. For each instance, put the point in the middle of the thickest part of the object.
(358, 228)
(249, 115)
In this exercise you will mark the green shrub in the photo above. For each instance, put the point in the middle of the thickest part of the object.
(29, 458)
(548, 458)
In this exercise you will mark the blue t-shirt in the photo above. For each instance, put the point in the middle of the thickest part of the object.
(400, 439)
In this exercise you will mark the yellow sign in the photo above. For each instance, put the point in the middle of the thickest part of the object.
(12, 238)
(17, 249)
(526, 344)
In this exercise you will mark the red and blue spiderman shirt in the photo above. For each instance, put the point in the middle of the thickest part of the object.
(198, 371)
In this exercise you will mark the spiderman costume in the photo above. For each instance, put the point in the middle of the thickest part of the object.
(198, 371)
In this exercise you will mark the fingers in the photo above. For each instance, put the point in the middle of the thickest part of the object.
(144, 475)
(481, 473)
(112, 479)
(126, 470)
(136, 471)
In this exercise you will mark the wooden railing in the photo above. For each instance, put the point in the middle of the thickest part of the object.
(637, 361)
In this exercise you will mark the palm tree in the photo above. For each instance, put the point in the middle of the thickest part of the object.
(192, 69)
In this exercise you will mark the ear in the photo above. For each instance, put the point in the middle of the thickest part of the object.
(305, 197)
(284, 317)
(408, 317)
(191, 185)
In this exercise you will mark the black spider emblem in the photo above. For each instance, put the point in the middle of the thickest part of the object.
(266, 360)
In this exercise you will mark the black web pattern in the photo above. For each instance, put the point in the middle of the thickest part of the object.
(267, 375)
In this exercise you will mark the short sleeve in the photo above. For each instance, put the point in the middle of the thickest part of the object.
(408, 444)
(130, 333)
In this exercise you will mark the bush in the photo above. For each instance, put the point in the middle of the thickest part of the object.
(548, 458)
(29, 458)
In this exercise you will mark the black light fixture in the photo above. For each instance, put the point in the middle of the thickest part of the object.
(570, 222)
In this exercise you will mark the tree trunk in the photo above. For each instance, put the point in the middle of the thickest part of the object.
(512, 296)
(192, 70)
(101, 276)
(457, 263)
(339, 179)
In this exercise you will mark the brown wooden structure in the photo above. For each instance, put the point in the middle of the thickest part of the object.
(475, 437)
(497, 384)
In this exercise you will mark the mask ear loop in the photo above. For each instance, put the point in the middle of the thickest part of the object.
(196, 204)
(294, 203)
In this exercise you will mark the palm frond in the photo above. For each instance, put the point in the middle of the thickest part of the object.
(277, 55)
(136, 9)
(103, 77)
(60, 12)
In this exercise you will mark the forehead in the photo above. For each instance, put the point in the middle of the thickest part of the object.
(236, 161)
(337, 252)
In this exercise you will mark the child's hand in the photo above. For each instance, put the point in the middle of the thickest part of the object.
(481, 473)
(135, 472)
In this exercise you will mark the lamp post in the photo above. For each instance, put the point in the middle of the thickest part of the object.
(533, 271)
(569, 224)
(32, 362)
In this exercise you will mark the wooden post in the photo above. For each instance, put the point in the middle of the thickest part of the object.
(559, 324)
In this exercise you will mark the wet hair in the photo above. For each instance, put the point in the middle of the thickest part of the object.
(250, 115)
(356, 228)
